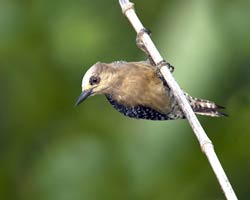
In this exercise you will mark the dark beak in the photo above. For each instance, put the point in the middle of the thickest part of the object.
(84, 95)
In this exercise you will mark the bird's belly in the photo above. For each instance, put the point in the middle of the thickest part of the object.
(138, 111)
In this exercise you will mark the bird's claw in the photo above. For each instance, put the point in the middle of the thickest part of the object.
(164, 63)
(158, 73)
(139, 41)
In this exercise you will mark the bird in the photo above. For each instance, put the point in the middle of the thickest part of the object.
(136, 90)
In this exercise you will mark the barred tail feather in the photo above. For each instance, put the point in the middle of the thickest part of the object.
(205, 107)
(212, 112)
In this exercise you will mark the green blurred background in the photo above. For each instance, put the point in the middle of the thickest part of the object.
(50, 150)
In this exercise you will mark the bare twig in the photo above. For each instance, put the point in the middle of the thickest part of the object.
(205, 142)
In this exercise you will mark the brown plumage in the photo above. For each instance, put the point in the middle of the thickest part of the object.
(134, 89)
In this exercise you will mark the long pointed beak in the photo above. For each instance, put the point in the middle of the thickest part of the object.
(84, 95)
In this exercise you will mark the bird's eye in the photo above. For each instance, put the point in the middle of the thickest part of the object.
(94, 80)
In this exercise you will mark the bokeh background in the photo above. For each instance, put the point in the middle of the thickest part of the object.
(50, 150)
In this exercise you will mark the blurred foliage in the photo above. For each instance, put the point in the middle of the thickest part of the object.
(51, 150)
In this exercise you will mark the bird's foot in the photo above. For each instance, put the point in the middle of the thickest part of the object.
(164, 63)
(158, 72)
(141, 45)
(139, 41)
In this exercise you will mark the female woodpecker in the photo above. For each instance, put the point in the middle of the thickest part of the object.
(135, 89)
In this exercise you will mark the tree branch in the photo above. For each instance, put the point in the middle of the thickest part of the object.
(205, 142)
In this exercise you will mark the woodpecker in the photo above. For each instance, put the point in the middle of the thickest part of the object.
(135, 89)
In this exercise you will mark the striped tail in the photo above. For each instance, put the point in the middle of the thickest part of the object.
(205, 107)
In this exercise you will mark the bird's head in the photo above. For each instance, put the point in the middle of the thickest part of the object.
(95, 81)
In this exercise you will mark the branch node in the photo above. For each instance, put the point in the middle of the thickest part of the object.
(205, 144)
(127, 7)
